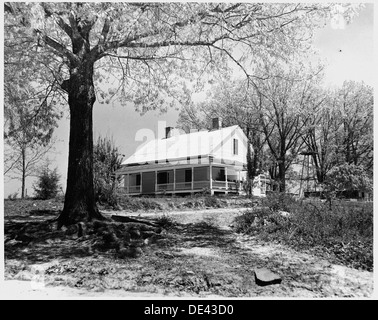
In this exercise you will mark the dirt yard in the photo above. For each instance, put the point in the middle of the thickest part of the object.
(197, 256)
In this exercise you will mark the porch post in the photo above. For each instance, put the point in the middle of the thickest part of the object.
(156, 189)
(127, 183)
(174, 179)
(225, 173)
(211, 174)
(192, 187)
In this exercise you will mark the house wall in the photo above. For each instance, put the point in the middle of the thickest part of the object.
(225, 148)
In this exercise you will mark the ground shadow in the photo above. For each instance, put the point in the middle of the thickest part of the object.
(203, 234)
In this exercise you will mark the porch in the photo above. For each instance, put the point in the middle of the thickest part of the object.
(214, 178)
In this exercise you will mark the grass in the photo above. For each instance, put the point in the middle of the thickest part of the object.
(192, 256)
(166, 203)
(342, 230)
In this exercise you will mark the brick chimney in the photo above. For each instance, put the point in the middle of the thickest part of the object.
(168, 132)
(216, 123)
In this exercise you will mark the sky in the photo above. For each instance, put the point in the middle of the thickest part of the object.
(348, 52)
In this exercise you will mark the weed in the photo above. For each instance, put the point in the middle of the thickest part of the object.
(344, 230)
(165, 222)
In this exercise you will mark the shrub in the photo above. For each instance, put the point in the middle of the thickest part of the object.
(212, 201)
(344, 230)
(106, 160)
(278, 201)
(349, 177)
(47, 186)
(13, 196)
(135, 204)
(165, 222)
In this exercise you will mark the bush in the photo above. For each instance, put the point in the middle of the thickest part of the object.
(165, 222)
(13, 196)
(344, 230)
(135, 204)
(106, 160)
(278, 201)
(47, 186)
(349, 177)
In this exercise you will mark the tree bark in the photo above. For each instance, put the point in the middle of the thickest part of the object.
(79, 204)
(281, 175)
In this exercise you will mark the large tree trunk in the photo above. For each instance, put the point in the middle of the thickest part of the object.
(79, 204)
(281, 175)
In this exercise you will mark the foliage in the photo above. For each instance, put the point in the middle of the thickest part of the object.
(47, 186)
(12, 196)
(344, 231)
(355, 109)
(278, 201)
(340, 129)
(349, 177)
(28, 132)
(106, 160)
(165, 222)
(135, 204)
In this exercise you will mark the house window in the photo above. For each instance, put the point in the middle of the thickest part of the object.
(135, 179)
(218, 174)
(164, 177)
(235, 146)
(183, 175)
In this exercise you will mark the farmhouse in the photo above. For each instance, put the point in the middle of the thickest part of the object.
(213, 160)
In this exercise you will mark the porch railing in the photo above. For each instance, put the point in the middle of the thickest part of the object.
(134, 189)
(164, 187)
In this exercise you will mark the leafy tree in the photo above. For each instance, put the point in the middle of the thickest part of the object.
(145, 50)
(341, 128)
(321, 131)
(47, 186)
(107, 160)
(28, 133)
(355, 139)
(349, 177)
(284, 113)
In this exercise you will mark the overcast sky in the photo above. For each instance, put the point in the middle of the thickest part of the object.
(349, 55)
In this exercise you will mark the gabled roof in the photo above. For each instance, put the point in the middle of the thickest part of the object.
(201, 143)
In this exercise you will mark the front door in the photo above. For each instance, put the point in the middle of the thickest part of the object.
(148, 182)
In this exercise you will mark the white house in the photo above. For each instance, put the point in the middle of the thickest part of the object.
(187, 163)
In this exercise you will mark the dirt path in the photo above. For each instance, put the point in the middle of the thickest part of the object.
(201, 258)
(303, 274)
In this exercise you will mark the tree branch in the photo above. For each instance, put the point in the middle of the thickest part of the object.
(61, 50)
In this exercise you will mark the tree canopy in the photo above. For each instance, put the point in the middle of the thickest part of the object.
(149, 54)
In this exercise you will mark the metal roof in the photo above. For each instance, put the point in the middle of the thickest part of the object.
(180, 146)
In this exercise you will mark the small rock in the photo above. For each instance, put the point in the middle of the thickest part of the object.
(264, 277)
